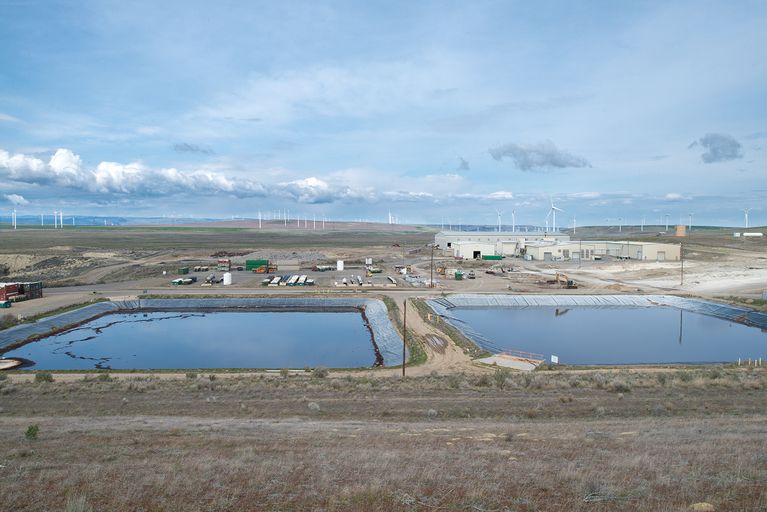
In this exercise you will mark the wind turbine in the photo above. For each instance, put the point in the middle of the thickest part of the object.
(690, 226)
(499, 212)
(513, 221)
(553, 211)
(745, 214)
(573, 224)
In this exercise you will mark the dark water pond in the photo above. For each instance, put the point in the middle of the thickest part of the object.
(158, 340)
(583, 335)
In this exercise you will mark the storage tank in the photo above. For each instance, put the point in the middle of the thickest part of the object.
(227, 278)
(340, 265)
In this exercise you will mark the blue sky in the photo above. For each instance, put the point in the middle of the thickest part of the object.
(431, 110)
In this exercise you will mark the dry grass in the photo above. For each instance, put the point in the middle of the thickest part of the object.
(454, 443)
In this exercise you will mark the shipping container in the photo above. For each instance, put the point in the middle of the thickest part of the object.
(183, 270)
(491, 257)
(252, 265)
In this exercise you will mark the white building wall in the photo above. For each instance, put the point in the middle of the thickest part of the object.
(467, 250)
(644, 251)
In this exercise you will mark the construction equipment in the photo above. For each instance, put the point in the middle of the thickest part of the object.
(563, 281)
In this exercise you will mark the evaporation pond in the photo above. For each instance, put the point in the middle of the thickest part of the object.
(584, 335)
(252, 339)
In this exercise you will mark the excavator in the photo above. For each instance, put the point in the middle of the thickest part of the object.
(563, 281)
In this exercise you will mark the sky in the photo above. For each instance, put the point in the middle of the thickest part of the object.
(443, 111)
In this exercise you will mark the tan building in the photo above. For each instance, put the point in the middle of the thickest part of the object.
(507, 243)
(590, 250)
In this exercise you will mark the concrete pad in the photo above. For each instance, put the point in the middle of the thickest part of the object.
(511, 362)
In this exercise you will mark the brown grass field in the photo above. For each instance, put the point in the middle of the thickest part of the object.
(654, 440)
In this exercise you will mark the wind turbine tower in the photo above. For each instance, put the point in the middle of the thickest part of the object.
(745, 214)
(499, 212)
(553, 211)
(513, 221)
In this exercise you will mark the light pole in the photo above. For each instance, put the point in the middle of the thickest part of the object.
(404, 335)
(431, 268)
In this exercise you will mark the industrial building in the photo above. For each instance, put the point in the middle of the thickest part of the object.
(476, 244)
(590, 250)
(548, 247)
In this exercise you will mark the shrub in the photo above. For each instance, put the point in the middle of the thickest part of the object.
(212, 377)
(3, 376)
(7, 321)
(191, 375)
(500, 377)
(661, 378)
(32, 431)
(43, 377)
(284, 373)
(527, 379)
(684, 376)
(77, 504)
(104, 377)
(320, 372)
(313, 406)
(453, 381)
(484, 381)
(619, 386)
(566, 399)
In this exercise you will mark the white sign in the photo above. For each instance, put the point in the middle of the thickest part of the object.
(554, 360)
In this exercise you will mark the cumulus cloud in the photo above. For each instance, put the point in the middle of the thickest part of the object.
(314, 190)
(719, 147)
(16, 199)
(528, 157)
(185, 147)
(65, 169)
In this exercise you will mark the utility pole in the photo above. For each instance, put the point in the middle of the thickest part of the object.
(431, 268)
(404, 335)
(681, 260)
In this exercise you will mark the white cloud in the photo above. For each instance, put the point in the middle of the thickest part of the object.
(355, 90)
(674, 196)
(65, 169)
(16, 199)
(8, 118)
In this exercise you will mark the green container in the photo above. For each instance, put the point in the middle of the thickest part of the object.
(254, 264)
(5, 304)
(459, 276)
(492, 258)
(183, 270)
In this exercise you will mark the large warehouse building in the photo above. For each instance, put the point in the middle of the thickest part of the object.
(548, 247)
(589, 250)
(475, 244)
